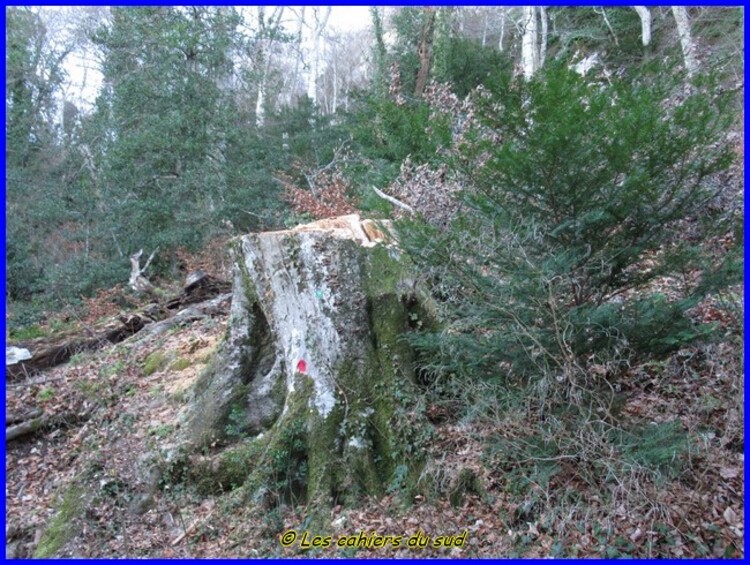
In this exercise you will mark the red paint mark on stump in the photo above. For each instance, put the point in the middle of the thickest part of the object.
(302, 366)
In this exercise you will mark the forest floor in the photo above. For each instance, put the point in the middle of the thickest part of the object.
(130, 398)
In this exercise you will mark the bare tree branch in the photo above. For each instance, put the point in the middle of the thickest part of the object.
(393, 200)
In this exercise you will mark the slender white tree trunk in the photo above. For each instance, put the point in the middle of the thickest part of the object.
(334, 103)
(484, 30)
(609, 26)
(645, 14)
(529, 52)
(264, 59)
(543, 42)
(686, 40)
(260, 101)
(502, 30)
(317, 29)
(347, 80)
(312, 77)
(260, 104)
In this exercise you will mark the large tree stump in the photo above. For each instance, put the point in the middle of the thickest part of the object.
(311, 396)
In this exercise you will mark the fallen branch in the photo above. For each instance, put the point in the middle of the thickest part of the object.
(138, 282)
(44, 421)
(218, 305)
(393, 200)
(191, 528)
(24, 428)
(15, 418)
(46, 355)
(36, 381)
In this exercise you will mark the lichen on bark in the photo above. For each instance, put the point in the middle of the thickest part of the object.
(315, 365)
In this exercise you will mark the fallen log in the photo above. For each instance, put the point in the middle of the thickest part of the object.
(218, 305)
(45, 354)
(202, 295)
(15, 418)
(198, 287)
(24, 428)
(39, 380)
(65, 419)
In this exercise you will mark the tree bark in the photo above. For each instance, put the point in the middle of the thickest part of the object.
(543, 41)
(306, 397)
(529, 53)
(686, 39)
(265, 34)
(426, 38)
(645, 15)
(317, 29)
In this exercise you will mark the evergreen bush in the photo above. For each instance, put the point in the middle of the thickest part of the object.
(571, 259)
(579, 192)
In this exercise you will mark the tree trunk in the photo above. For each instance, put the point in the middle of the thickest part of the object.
(308, 397)
(503, 17)
(380, 53)
(645, 15)
(260, 104)
(686, 39)
(266, 32)
(529, 52)
(317, 29)
(543, 41)
(334, 103)
(426, 38)
(484, 29)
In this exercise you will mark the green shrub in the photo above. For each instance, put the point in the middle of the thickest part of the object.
(661, 447)
(568, 263)
(28, 332)
(578, 191)
(390, 131)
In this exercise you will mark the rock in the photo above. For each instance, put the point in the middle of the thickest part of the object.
(15, 354)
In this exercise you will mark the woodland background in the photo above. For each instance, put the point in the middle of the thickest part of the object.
(568, 180)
